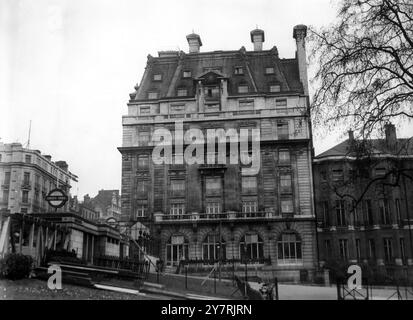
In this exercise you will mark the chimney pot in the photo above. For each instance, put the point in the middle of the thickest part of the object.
(351, 135)
(390, 131)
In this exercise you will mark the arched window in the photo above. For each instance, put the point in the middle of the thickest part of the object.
(212, 248)
(289, 249)
(177, 249)
(251, 247)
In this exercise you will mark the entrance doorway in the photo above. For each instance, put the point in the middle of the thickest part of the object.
(176, 250)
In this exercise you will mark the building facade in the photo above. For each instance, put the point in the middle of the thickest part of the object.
(26, 178)
(212, 209)
(107, 203)
(363, 202)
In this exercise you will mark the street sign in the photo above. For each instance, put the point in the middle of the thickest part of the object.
(56, 198)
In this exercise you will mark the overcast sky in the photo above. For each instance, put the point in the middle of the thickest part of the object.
(69, 66)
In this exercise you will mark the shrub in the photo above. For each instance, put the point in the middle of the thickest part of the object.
(15, 266)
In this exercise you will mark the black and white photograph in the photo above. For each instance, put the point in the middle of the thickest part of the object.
(216, 151)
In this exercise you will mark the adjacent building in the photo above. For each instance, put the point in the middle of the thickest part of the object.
(209, 210)
(107, 203)
(26, 177)
(364, 203)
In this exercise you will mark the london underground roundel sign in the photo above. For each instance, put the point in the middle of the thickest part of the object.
(56, 198)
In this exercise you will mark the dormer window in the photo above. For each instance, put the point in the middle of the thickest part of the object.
(152, 95)
(269, 70)
(211, 92)
(157, 77)
(243, 88)
(238, 70)
(182, 92)
(275, 88)
(186, 74)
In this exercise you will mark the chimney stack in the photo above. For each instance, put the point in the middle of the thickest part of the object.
(390, 131)
(257, 38)
(194, 42)
(299, 34)
(351, 135)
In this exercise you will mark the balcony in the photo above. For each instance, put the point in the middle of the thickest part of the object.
(211, 217)
(26, 185)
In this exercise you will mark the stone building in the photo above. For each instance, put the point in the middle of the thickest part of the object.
(222, 211)
(107, 203)
(26, 176)
(364, 203)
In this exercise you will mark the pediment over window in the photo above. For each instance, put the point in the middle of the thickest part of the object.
(210, 77)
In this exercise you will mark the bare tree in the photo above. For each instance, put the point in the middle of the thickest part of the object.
(364, 76)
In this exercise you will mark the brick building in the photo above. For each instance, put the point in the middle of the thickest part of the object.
(364, 203)
(26, 176)
(218, 212)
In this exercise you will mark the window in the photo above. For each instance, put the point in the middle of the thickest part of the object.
(249, 184)
(213, 185)
(186, 74)
(379, 172)
(178, 187)
(177, 209)
(340, 213)
(246, 104)
(276, 88)
(213, 208)
(28, 158)
(144, 110)
(182, 92)
(141, 210)
(142, 187)
(289, 249)
(251, 247)
(143, 137)
(157, 77)
(284, 156)
(358, 249)
(211, 92)
(213, 248)
(372, 249)
(338, 175)
(355, 214)
(249, 206)
(281, 103)
(7, 177)
(327, 248)
(282, 130)
(26, 179)
(398, 212)
(177, 108)
(152, 95)
(285, 183)
(25, 196)
(368, 212)
(1, 156)
(243, 88)
(326, 216)
(388, 249)
(238, 70)
(403, 251)
(143, 162)
(5, 196)
(269, 70)
(384, 212)
(343, 248)
(287, 206)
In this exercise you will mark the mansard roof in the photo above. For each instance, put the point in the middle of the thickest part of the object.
(253, 64)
